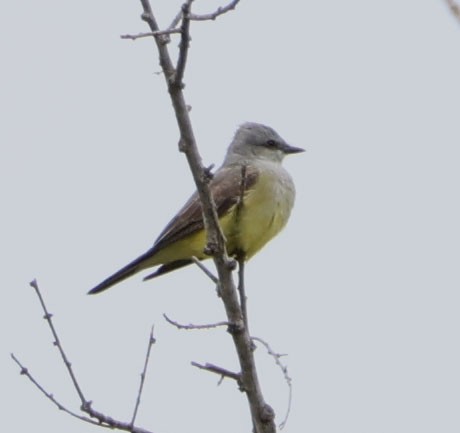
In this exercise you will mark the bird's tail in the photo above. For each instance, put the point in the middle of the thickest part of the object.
(125, 272)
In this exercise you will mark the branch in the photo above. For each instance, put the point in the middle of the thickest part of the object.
(191, 326)
(276, 357)
(149, 34)
(173, 29)
(215, 240)
(218, 370)
(213, 278)
(220, 11)
(57, 342)
(101, 419)
(184, 44)
(25, 371)
(262, 414)
(143, 374)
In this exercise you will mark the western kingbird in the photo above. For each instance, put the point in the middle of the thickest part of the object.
(253, 194)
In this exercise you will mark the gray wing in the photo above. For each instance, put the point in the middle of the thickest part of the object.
(228, 185)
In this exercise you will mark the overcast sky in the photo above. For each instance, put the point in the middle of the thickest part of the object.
(361, 290)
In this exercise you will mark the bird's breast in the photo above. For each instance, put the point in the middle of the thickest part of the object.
(264, 212)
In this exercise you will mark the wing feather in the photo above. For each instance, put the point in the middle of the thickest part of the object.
(228, 185)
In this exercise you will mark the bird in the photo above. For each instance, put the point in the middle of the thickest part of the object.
(253, 194)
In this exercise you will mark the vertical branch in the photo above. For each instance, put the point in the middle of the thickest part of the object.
(184, 45)
(215, 240)
(143, 374)
(262, 414)
(242, 291)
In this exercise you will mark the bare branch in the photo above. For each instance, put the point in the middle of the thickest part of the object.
(150, 34)
(25, 371)
(218, 370)
(176, 20)
(242, 291)
(262, 414)
(101, 419)
(57, 342)
(197, 262)
(143, 374)
(191, 326)
(220, 11)
(276, 357)
(184, 44)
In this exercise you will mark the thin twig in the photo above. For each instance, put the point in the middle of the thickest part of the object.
(175, 21)
(276, 357)
(192, 326)
(143, 374)
(242, 291)
(57, 343)
(184, 44)
(25, 371)
(240, 256)
(150, 34)
(218, 370)
(197, 262)
(212, 16)
(102, 419)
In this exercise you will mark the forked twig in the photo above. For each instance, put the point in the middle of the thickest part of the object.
(173, 29)
(99, 418)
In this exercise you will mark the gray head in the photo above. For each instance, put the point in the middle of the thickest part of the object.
(253, 140)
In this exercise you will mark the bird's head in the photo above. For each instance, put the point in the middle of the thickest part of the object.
(254, 140)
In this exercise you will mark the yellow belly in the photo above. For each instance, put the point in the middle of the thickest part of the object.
(264, 213)
(247, 227)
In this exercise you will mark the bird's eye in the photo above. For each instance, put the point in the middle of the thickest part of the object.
(270, 143)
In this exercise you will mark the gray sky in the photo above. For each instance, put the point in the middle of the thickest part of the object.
(361, 290)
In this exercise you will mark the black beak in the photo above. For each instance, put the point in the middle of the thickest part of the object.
(287, 149)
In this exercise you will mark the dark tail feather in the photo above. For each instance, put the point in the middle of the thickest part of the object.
(129, 270)
(168, 267)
